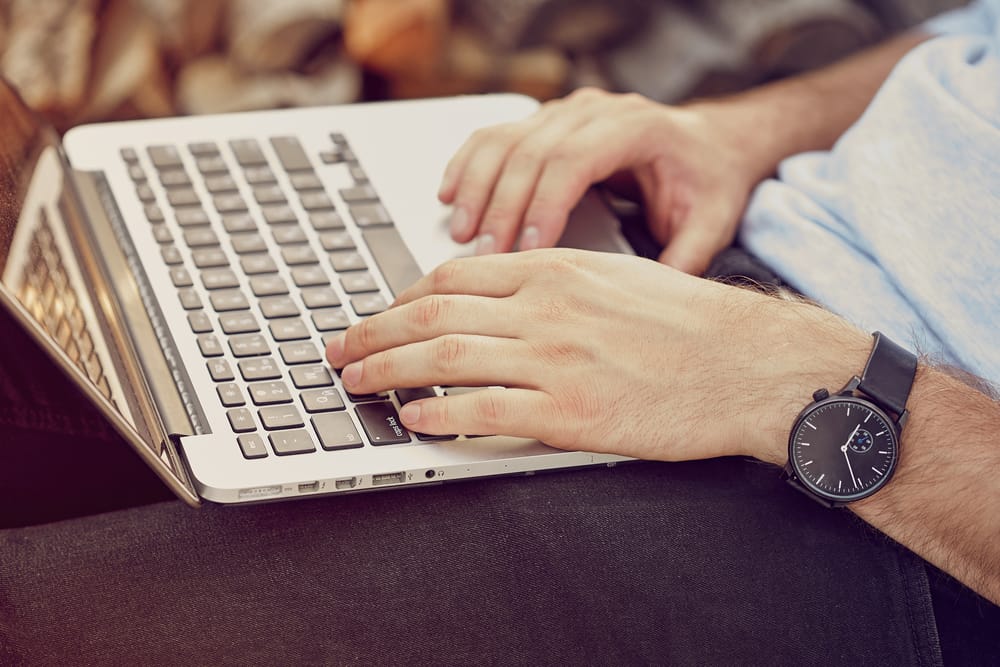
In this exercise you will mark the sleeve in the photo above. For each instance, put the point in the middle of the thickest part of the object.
(980, 17)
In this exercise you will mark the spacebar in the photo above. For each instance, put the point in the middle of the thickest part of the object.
(393, 258)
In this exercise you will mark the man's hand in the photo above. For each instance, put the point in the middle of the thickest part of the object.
(522, 179)
(601, 352)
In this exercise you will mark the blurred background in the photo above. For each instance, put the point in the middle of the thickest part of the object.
(87, 60)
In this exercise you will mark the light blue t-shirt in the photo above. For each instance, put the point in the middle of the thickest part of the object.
(897, 228)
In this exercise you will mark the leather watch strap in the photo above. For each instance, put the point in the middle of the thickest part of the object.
(888, 375)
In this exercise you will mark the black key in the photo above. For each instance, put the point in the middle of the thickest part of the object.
(136, 173)
(324, 220)
(212, 164)
(164, 156)
(238, 222)
(174, 178)
(268, 285)
(162, 234)
(287, 234)
(307, 377)
(347, 260)
(258, 263)
(315, 201)
(309, 276)
(183, 197)
(247, 152)
(280, 416)
(220, 370)
(238, 322)
(292, 442)
(320, 297)
(180, 277)
(230, 395)
(381, 423)
(241, 420)
(322, 400)
(290, 153)
(393, 258)
(359, 193)
(199, 321)
(269, 194)
(368, 304)
(357, 173)
(364, 398)
(191, 216)
(229, 203)
(220, 183)
(208, 258)
(408, 395)
(258, 175)
(153, 213)
(370, 215)
(269, 393)
(189, 299)
(336, 431)
(197, 237)
(331, 157)
(209, 345)
(145, 193)
(171, 255)
(278, 213)
(230, 299)
(129, 154)
(291, 328)
(330, 319)
(252, 446)
(298, 254)
(264, 368)
(201, 148)
(426, 437)
(299, 353)
(305, 180)
(248, 242)
(249, 345)
(278, 306)
(339, 240)
(214, 279)
(357, 282)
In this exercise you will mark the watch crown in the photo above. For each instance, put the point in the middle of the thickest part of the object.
(820, 394)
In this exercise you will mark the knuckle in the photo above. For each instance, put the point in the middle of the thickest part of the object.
(366, 335)
(444, 276)
(449, 353)
(427, 312)
(587, 93)
(524, 157)
(384, 365)
(489, 409)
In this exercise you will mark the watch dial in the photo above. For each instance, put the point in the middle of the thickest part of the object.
(843, 449)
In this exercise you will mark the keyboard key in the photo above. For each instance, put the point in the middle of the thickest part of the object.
(288, 234)
(217, 183)
(364, 398)
(247, 152)
(292, 442)
(238, 322)
(189, 299)
(269, 194)
(180, 277)
(268, 285)
(199, 321)
(277, 213)
(264, 368)
(229, 203)
(368, 304)
(340, 240)
(258, 263)
(299, 353)
(290, 153)
(322, 400)
(339, 139)
(287, 329)
(320, 297)
(153, 213)
(145, 193)
(212, 164)
(248, 242)
(330, 319)
(171, 255)
(357, 282)
(309, 276)
(241, 420)
(252, 446)
(174, 178)
(230, 395)
(370, 215)
(325, 220)
(238, 222)
(197, 237)
(305, 180)
(278, 306)
(136, 173)
(357, 173)
(220, 370)
(347, 260)
(336, 431)
(307, 377)
(209, 345)
(315, 201)
(209, 258)
(269, 393)
(164, 156)
(359, 193)
(330, 156)
(298, 254)
(201, 148)
(183, 197)
(225, 300)
(162, 234)
(392, 256)
(281, 416)
(190, 216)
(408, 395)
(129, 154)
(258, 175)
(214, 279)
(381, 423)
(249, 345)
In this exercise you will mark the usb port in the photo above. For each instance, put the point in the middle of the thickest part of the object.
(388, 478)
(348, 483)
(309, 487)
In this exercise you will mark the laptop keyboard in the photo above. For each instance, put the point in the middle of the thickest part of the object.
(263, 296)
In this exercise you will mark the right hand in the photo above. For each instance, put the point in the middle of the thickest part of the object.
(524, 178)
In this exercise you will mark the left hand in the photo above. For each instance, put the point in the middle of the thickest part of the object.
(599, 352)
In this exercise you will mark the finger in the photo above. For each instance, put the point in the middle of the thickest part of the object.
(515, 412)
(453, 359)
(424, 319)
(491, 275)
(692, 248)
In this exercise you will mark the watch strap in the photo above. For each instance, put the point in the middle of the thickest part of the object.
(888, 375)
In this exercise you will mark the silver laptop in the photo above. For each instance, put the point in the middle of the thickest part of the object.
(187, 273)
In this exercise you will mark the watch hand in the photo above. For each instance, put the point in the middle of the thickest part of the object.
(848, 458)
(849, 438)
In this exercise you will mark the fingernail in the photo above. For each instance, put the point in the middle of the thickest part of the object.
(485, 244)
(459, 221)
(335, 349)
(409, 413)
(351, 374)
(529, 238)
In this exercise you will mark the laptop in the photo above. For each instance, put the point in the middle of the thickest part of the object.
(186, 274)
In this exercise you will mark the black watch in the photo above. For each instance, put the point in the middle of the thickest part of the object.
(845, 447)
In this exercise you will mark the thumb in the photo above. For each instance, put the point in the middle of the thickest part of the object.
(691, 249)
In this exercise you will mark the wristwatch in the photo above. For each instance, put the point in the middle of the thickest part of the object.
(845, 447)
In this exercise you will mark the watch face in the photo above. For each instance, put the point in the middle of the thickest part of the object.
(843, 448)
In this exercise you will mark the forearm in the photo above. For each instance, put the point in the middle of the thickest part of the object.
(806, 112)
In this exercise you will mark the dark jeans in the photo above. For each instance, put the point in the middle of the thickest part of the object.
(698, 563)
